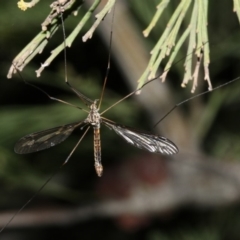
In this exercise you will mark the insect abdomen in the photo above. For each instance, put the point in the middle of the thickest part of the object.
(97, 152)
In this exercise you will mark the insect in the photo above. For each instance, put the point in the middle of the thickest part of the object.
(48, 138)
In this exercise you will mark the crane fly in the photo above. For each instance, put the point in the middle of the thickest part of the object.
(48, 138)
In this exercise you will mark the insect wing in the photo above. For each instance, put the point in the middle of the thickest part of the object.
(149, 142)
(45, 139)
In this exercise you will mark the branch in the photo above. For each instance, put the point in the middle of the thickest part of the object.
(184, 182)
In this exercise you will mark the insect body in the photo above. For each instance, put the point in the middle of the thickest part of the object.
(94, 119)
(48, 138)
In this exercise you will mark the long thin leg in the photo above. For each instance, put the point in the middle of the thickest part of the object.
(50, 97)
(84, 99)
(48, 180)
(109, 60)
(195, 96)
(75, 146)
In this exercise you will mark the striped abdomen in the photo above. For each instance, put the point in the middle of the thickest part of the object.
(97, 151)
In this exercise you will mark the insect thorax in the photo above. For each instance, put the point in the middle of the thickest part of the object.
(94, 117)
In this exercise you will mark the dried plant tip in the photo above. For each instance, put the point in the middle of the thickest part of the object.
(195, 77)
(207, 78)
(164, 75)
(57, 7)
(43, 66)
(99, 17)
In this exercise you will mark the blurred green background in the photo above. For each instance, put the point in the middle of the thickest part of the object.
(194, 195)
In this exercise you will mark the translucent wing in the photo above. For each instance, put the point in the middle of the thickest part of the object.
(45, 139)
(149, 142)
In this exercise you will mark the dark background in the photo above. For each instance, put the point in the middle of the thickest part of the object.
(194, 195)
